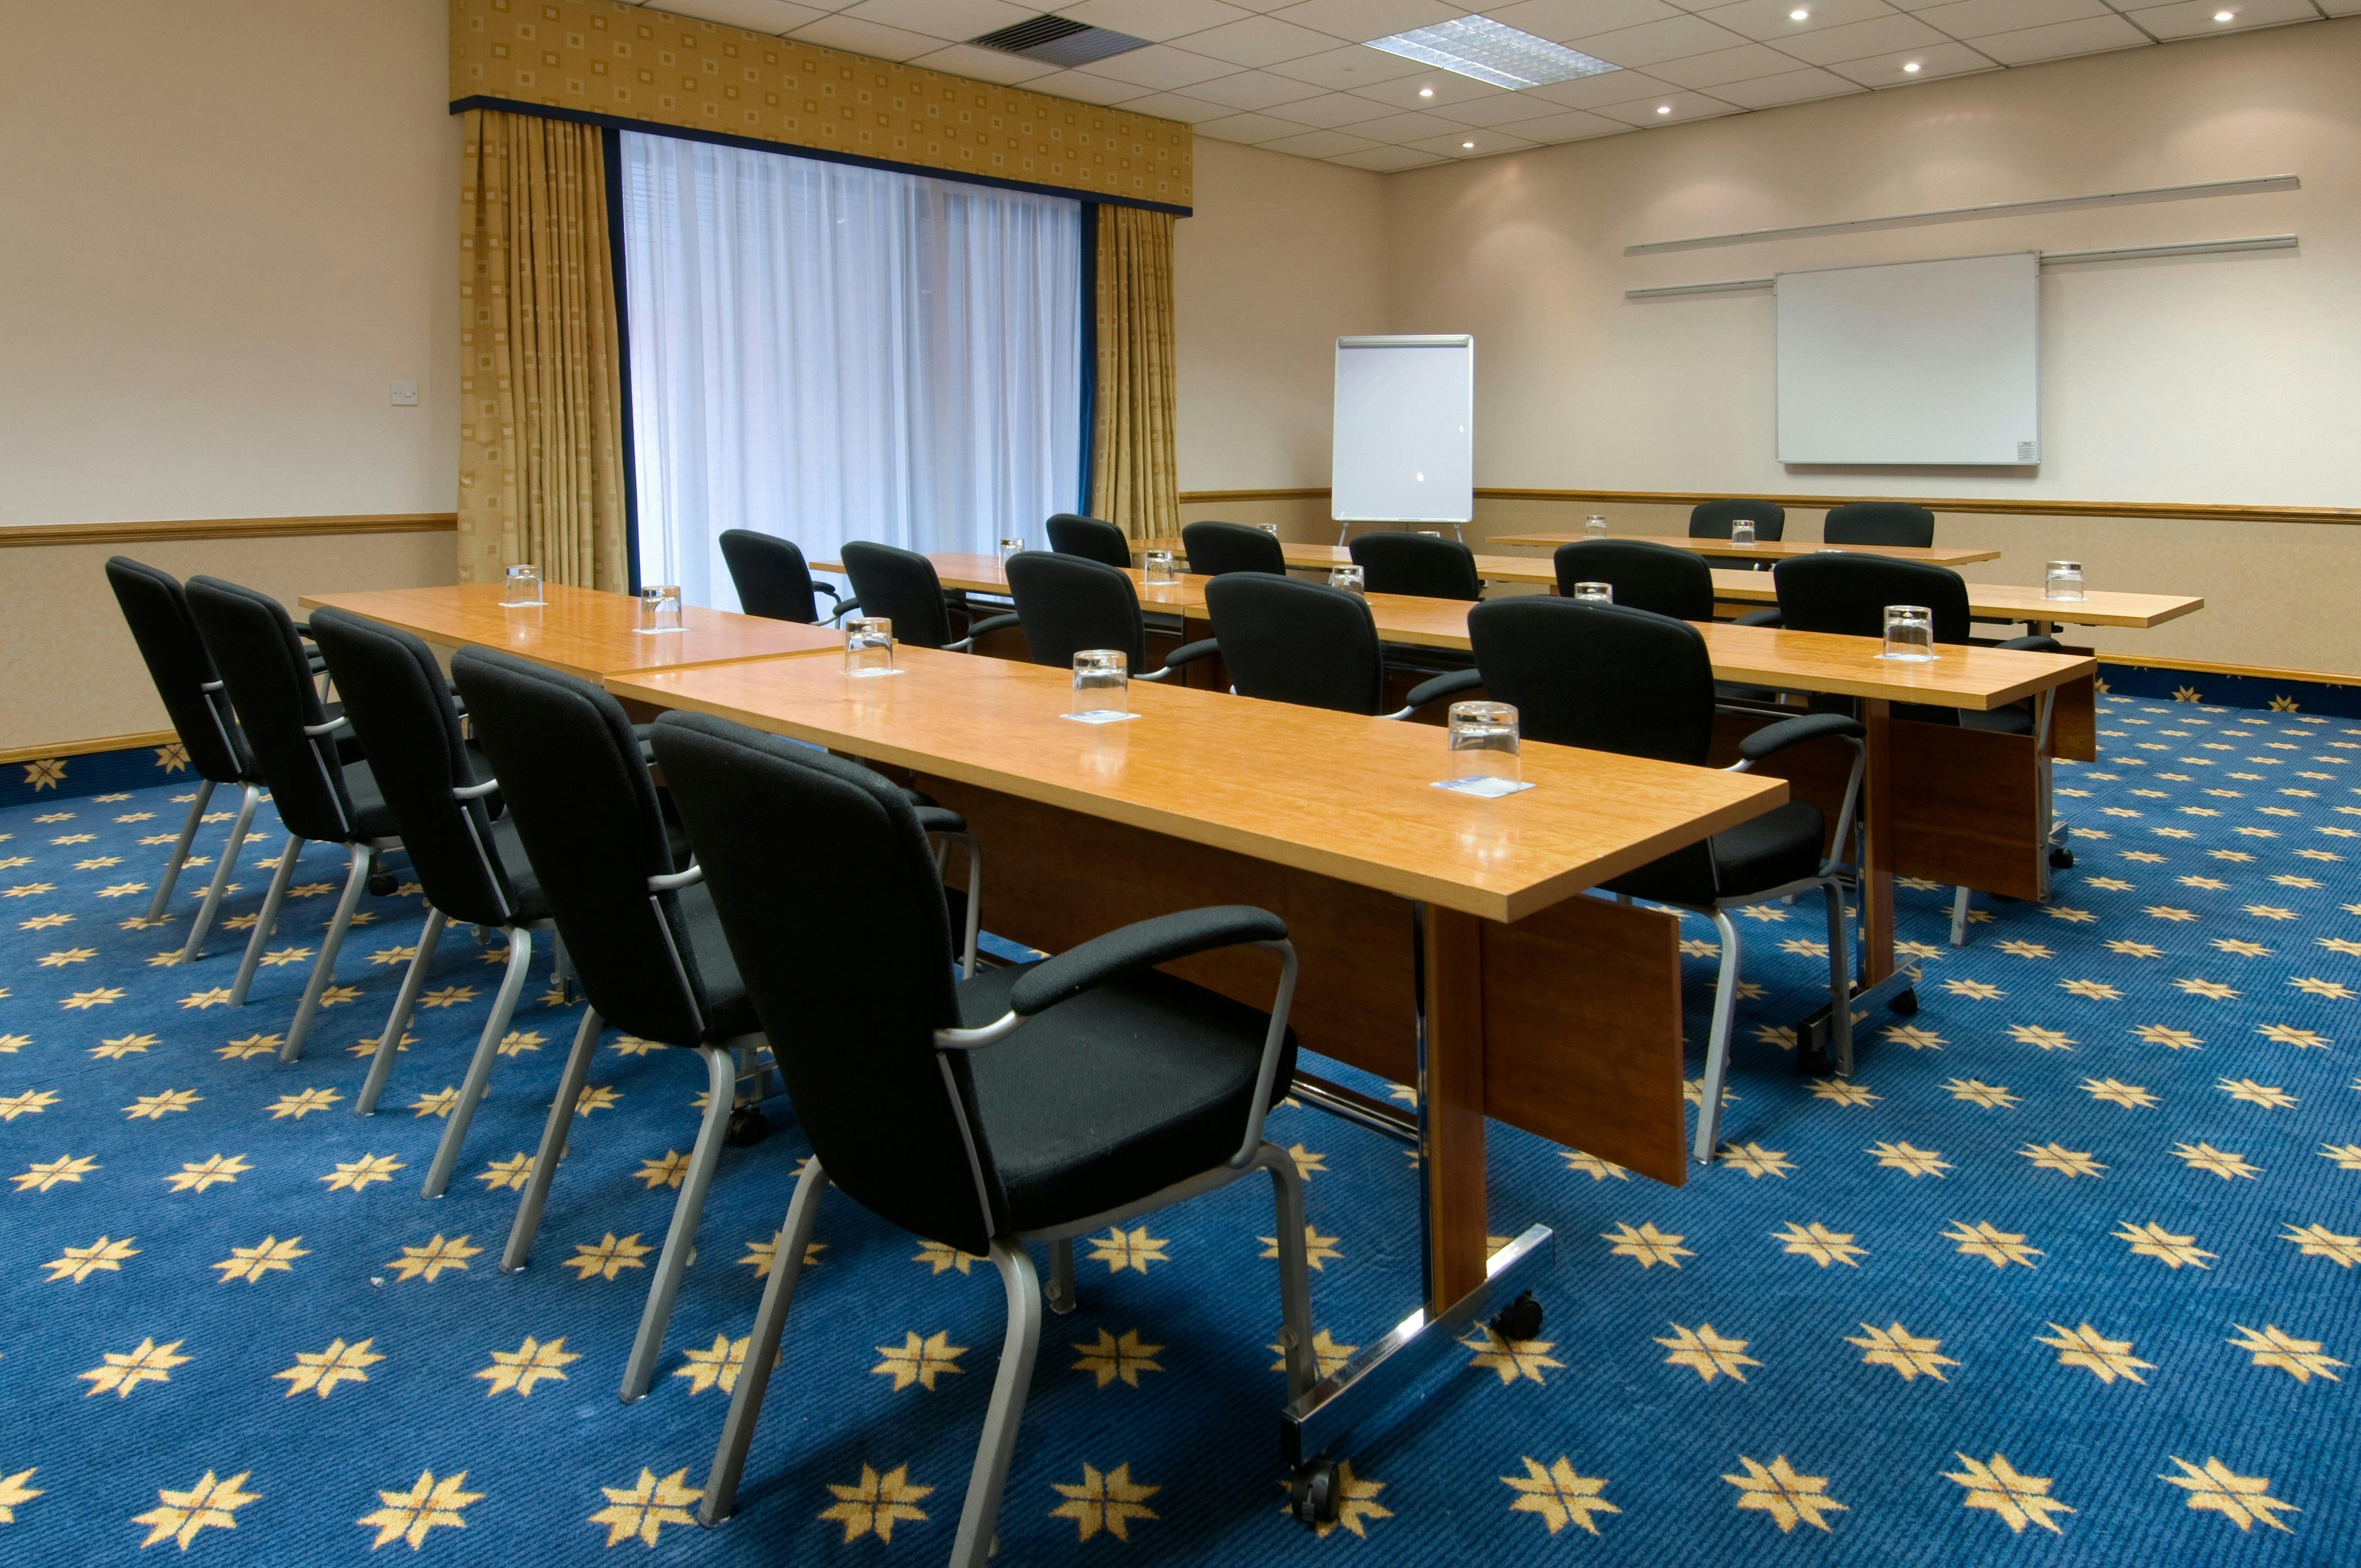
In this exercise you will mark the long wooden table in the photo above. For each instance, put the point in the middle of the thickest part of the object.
(1766, 550)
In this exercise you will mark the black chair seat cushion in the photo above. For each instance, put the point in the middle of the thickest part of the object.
(1101, 1100)
(729, 1011)
(2015, 720)
(1779, 847)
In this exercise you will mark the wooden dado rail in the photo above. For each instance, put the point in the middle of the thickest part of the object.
(226, 528)
(2017, 507)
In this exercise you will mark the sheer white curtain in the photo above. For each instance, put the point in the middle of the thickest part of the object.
(829, 353)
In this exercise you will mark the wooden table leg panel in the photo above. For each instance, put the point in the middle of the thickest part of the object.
(1452, 1166)
(1968, 809)
(2074, 721)
(1877, 890)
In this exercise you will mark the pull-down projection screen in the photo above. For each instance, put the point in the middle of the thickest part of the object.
(1916, 363)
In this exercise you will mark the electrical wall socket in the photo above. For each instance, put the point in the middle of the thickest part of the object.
(404, 394)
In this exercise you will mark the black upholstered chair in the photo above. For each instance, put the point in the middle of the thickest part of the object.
(320, 788)
(1425, 564)
(1879, 523)
(1711, 520)
(156, 611)
(772, 579)
(462, 851)
(1028, 1104)
(1656, 577)
(1289, 640)
(1093, 539)
(1616, 679)
(1216, 549)
(1069, 603)
(903, 586)
(1848, 595)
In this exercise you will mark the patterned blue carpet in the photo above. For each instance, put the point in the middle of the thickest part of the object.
(2068, 1275)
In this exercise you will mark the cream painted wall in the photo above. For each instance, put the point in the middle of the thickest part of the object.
(1283, 256)
(228, 227)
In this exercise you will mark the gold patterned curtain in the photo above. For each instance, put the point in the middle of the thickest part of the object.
(541, 438)
(1133, 464)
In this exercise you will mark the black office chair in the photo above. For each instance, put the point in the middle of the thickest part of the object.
(1617, 679)
(1711, 520)
(320, 788)
(1289, 640)
(157, 610)
(1848, 595)
(1425, 564)
(903, 586)
(1067, 603)
(1879, 523)
(1091, 538)
(1655, 577)
(1030, 1104)
(462, 851)
(772, 578)
(1215, 549)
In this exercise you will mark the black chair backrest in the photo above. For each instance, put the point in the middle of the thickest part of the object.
(158, 613)
(901, 586)
(269, 678)
(573, 783)
(402, 713)
(851, 1004)
(1605, 676)
(1879, 523)
(1093, 539)
(1069, 603)
(1656, 577)
(1289, 640)
(770, 575)
(1711, 520)
(1426, 565)
(1848, 594)
(1216, 548)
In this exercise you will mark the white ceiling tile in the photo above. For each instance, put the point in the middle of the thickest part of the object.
(1161, 67)
(983, 64)
(1503, 109)
(1937, 61)
(1357, 21)
(2194, 19)
(1344, 69)
(1788, 87)
(1177, 106)
(1975, 18)
(2061, 40)
(1685, 106)
(1558, 20)
(1673, 38)
(1248, 129)
(1860, 40)
(1321, 144)
(1472, 143)
(759, 16)
(1591, 91)
(1263, 5)
(1086, 88)
(955, 21)
(1739, 64)
(866, 38)
(1574, 125)
(1773, 21)
(1329, 109)
(1154, 20)
(1404, 128)
(1430, 90)
(2342, 8)
(1259, 40)
(1386, 159)
(1253, 90)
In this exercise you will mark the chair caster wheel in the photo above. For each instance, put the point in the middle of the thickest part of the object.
(748, 1127)
(1520, 1320)
(382, 883)
(2061, 858)
(1905, 1003)
(1313, 1494)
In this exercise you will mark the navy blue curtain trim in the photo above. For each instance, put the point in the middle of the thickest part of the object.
(611, 151)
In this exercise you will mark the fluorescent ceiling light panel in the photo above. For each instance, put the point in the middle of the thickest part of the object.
(1492, 51)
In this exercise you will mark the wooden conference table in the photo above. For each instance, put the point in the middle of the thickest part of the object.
(1767, 550)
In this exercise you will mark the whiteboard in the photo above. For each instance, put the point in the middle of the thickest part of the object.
(1921, 363)
(1405, 443)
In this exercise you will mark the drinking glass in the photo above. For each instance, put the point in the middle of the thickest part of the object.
(1348, 577)
(1909, 633)
(522, 588)
(1594, 593)
(1270, 528)
(1159, 568)
(1011, 547)
(1742, 532)
(2063, 580)
(660, 608)
(868, 645)
(1483, 738)
(1594, 526)
(1102, 685)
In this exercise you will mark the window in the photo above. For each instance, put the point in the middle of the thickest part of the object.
(826, 352)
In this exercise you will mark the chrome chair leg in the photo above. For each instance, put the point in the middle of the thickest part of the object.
(721, 1083)
(268, 921)
(1060, 1296)
(480, 1068)
(324, 969)
(236, 841)
(397, 1023)
(1295, 1335)
(762, 1348)
(1840, 977)
(981, 1511)
(181, 850)
(1959, 897)
(553, 1142)
(1717, 1050)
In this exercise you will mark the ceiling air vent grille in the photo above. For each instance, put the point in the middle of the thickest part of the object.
(1054, 41)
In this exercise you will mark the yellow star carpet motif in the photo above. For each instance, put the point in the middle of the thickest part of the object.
(507, 1175)
(319, 1372)
(210, 1504)
(269, 1255)
(1511, 1358)
(1108, 1502)
(1647, 1245)
(607, 1257)
(1706, 1351)
(425, 1505)
(351, 1176)
(79, 1263)
(716, 1365)
(1821, 1244)
(919, 1361)
(1558, 1494)
(1356, 1505)
(16, 1491)
(1318, 1250)
(534, 1362)
(42, 1175)
(2301, 1359)
(1112, 1358)
(2152, 1240)
(2312, 1241)
(1789, 1497)
(1134, 1249)
(2107, 1359)
(642, 1509)
(1909, 1159)
(2018, 1499)
(1328, 1354)
(2245, 1501)
(1987, 1241)
(1912, 1355)
(214, 1170)
(431, 1260)
(124, 1370)
(876, 1504)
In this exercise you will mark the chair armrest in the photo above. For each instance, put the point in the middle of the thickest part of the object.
(2033, 644)
(843, 607)
(1758, 618)
(1441, 687)
(1141, 945)
(674, 881)
(990, 624)
(1181, 655)
(303, 630)
(940, 819)
(824, 588)
(1774, 738)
